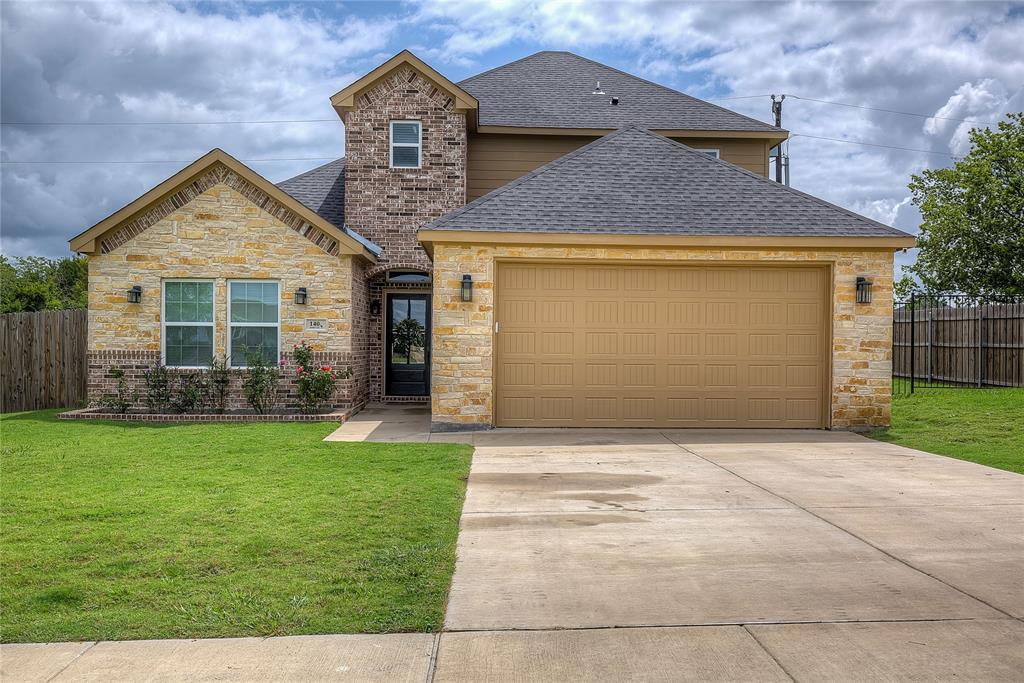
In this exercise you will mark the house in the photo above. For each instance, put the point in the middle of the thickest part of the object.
(550, 243)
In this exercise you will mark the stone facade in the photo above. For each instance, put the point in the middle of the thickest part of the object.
(388, 205)
(220, 234)
(463, 353)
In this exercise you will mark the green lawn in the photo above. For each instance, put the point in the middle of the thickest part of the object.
(115, 531)
(981, 425)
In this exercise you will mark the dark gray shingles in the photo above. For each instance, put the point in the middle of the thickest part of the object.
(636, 182)
(322, 190)
(554, 90)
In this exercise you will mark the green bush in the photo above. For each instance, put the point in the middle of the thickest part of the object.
(260, 383)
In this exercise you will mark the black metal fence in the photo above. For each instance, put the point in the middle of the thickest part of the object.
(957, 341)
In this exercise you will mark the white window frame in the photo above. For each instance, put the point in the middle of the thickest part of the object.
(164, 324)
(418, 144)
(713, 152)
(230, 324)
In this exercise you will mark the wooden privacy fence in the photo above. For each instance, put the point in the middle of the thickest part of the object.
(42, 360)
(958, 341)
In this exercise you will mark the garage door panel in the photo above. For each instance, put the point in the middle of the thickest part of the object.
(728, 346)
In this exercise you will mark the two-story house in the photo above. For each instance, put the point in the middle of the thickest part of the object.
(549, 243)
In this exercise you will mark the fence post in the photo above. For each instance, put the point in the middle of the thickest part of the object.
(981, 346)
(913, 349)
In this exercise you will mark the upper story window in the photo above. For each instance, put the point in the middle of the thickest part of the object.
(406, 144)
(188, 323)
(253, 321)
(711, 153)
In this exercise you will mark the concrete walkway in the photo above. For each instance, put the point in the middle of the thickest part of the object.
(670, 556)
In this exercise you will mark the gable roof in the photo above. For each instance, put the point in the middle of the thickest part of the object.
(635, 182)
(345, 99)
(322, 189)
(218, 166)
(554, 90)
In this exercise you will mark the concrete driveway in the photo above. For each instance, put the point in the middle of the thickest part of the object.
(731, 555)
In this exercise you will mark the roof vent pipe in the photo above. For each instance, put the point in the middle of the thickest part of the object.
(615, 100)
(597, 89)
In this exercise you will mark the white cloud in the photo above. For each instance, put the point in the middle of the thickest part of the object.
(157, 62)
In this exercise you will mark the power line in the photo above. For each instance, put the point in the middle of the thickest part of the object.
(162, 123)
(164, 161)
(872, 144)
(894, 111)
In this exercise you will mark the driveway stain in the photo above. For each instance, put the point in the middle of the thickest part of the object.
(563, 481)
(546, 521)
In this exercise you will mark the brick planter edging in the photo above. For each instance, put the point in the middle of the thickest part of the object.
(98, 414)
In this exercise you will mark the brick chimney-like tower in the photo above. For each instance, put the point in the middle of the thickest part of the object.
(388, 205)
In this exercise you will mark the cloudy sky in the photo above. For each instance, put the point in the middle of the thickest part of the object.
(136, 67)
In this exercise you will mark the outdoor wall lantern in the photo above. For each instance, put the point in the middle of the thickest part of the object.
(467, 287)
(135, 294)
(301, 296)
(375, 307)
(863, 290)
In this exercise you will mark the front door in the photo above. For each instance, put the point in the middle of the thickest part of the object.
(407, 356)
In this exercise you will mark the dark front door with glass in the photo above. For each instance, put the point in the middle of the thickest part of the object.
(407, 357)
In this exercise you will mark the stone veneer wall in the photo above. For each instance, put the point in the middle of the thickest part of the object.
(219, 235)
(388, 205)
(462, 374)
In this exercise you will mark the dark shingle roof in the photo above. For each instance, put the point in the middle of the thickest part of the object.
(634, 181)
(322, 190)
(554, 90)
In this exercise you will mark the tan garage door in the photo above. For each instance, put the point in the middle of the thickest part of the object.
(660, 346)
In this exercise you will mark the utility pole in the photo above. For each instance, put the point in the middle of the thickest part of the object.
(777, 111)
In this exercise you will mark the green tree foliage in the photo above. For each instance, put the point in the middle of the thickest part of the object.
(972, 232)
(408, 335)
(34, 283)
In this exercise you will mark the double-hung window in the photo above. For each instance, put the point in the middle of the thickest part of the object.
(406, 143)
(188, 323)
(253, 321)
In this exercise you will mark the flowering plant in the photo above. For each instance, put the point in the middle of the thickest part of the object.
(315, 383)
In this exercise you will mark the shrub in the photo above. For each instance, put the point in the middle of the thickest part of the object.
(219, 377)
(121, 400)
(260, 383)
(158, 389)
(188, 395)
(315, 384)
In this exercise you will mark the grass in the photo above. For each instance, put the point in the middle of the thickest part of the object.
(985, 426)
(120, 531)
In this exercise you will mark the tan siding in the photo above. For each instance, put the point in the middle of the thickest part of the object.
(497, 159)
(749, 154)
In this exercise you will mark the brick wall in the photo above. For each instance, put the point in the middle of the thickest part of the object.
(463, 354)
(220, 234)
(388, 205)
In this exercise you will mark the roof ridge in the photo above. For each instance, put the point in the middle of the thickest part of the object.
(774, 183)
(494, 194)
(312, 170)
(502, 66)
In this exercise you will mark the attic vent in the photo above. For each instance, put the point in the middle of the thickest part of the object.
(597, 89)
(615, 100)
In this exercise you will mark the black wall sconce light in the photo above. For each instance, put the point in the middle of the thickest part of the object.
(301, 296)
(863, 290)
(375, 307)
(467, 287)
(135, 294)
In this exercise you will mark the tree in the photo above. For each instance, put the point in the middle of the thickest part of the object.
(972, 229)
(34, 283)
(408, 335)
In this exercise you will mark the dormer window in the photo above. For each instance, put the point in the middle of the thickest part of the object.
(406, 141)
